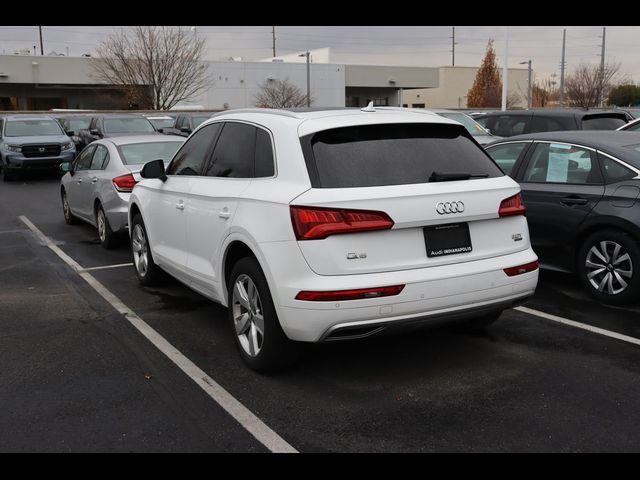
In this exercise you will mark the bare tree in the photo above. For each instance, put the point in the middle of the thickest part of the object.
(583, 87)
(280, 94)
(167, 60)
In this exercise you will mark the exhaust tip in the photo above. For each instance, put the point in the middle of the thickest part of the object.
(352, 333)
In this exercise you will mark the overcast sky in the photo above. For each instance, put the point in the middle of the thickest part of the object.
(389, 45)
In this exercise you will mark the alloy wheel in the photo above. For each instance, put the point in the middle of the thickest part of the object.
(65, 207)
(248, 316)
(102, 225)
(140, 249)
(609, 267)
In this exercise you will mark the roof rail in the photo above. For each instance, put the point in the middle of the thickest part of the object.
(269, 111)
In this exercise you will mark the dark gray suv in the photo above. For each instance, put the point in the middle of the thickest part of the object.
(33, 142)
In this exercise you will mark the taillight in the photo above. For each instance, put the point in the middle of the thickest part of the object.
(519, 270)
(124, 183)
(512, 206)
(314, 223)
(339, 295)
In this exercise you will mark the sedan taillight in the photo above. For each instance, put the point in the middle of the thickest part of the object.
(314, 223)
(124, 183)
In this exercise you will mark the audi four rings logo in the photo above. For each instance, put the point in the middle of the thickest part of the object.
(445, 208)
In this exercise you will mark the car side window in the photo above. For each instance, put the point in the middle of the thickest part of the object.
(100, 158)
(562, 163)
(264, 161)
(178, 123)
(614, 171)
(193, 155)
(545, 124)
(634, 128)
(506, 155)
(84, 159)
(234, 154)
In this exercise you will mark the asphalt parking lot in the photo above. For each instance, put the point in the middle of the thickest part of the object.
(77, 376)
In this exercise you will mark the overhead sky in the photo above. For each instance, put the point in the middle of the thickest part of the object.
(388, 45)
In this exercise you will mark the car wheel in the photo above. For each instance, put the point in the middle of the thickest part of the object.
(259, 338)
(148, 272)
(69, 217)
(608, 264)
(108, 239)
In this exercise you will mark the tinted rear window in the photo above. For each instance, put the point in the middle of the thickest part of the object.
(127, 125)
(602, 123)
(391, 154)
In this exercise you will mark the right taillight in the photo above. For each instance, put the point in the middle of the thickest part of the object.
(512, 206)
(314, 223)
(520, 269)
(124, 183)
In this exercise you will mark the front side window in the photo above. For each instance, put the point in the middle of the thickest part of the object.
(100, 158)
(197, 120)
(470, 124)
(506, 155)
(193, 155)
(562, 163)
(127, 125)
(31, 128)
(84, 159)
(234, 153)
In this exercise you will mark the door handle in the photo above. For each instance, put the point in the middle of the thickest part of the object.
(569, 201)
(225, 213)
(94, 179)
(180, 206)
(79, 180)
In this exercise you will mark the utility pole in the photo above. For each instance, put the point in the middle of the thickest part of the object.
(273, 34)
(308, 54)
(505, 69)
(453, 46)
(563, 65)
(529, 86)
(604, 33)
(41, 45)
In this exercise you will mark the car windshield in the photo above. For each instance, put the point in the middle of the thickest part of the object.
(139, 153)
(163, 122)
(76, 124)
(470, 124)
(198, 120)
(30, 128)
(127, 125)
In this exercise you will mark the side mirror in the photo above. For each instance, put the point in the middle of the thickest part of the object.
(488, 131)
(154, 169)
(185, 130)
(65, 167)
(161, 130)
(70, 133)
(94, 131)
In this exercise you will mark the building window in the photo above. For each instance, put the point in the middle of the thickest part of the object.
(418, 105)
(379, 102)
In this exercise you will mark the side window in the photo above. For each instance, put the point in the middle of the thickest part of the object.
(178, 123)
(545, 124)
(634, 128)
(100, 158)
(193, 155)
(613, 171)
(234, 153)
(484, 121)
(84, 159)
(506, 155)
(561, 163)
(264, 155)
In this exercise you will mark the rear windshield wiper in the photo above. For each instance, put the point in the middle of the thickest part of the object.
(451, 176)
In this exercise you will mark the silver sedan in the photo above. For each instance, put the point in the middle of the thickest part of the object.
(98, 183)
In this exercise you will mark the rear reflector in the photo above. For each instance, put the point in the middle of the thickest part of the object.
(526, 268)
(360, 294)
(124, 183)
(314, 223)
(512, 206)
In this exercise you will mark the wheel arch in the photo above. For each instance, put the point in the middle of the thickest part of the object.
(604, 223)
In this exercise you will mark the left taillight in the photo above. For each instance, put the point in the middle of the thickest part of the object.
(315, 223)
(124, 183)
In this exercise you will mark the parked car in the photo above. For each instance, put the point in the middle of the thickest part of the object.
(633, 126)
(517, 122)
(581, 190)
(187, 123)
(482, 136)
(97, 185)
(161, 122)
(32, 143)
(333, 224)
(114, 125)
(74, 123)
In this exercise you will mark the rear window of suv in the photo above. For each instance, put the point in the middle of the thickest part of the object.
(392, 154)
(602, 123)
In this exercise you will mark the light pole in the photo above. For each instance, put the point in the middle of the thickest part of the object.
(529, 86)
(307, 54)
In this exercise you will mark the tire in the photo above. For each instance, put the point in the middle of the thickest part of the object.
(270, 349)
(108, 239)
(69, 217)
(148, 273)
(608, 264)
(479, 323)
(7, 176)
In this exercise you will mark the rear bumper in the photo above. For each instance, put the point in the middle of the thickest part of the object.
(430, 295)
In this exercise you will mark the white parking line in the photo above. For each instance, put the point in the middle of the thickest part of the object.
(583, 326)
(104, 267)
(242, 414)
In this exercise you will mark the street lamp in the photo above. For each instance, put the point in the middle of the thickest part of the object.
(307, 54)
(529, 99)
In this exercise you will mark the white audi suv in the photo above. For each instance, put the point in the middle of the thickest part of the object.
(334, 224)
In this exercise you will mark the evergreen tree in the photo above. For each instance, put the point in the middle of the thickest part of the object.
(486, 91)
